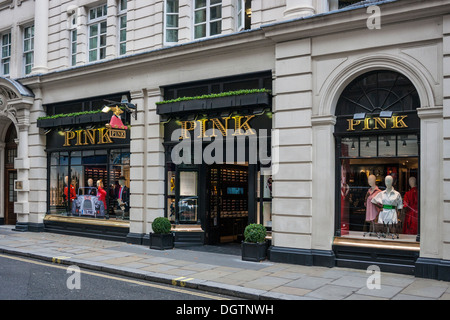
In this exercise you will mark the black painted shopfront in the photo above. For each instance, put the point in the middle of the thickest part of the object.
(216, 152)
(88, 167)
(377, 135)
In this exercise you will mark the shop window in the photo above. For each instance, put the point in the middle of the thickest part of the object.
(264, 199)
(90, 184)
(377, 134)
(188, 199)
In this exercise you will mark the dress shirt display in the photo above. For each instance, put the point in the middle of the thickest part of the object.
(390, 200)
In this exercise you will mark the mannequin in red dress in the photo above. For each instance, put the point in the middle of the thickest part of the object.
(410, 203)
(101, 193)
(73, 194)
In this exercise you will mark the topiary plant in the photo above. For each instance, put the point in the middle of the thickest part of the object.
(161, 225)
(255, 233)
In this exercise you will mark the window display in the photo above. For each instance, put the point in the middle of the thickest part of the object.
(98, 187)
(376, 197)
(377, 134)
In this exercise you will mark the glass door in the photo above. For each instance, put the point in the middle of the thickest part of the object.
(187, 200)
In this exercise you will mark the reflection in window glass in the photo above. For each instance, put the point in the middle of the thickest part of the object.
(408, 145)
(349, 147)
(368, 146)
(358, 215)
(187, 204)
(89, 191)
(386, 146)
(58, 171)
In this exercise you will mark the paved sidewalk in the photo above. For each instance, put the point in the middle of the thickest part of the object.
(218, 273)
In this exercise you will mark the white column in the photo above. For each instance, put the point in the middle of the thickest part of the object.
(41, 36)
(2, 177)
(323, 182)
(298, 8)
(431, 185)
(22, 164)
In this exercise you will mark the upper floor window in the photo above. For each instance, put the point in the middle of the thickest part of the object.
(244, 14)
(171, 21)
(345, 3)
(207, 18)
(73, 40)
(123, 27)
(6, 53)
(97, 33)
(28, 48)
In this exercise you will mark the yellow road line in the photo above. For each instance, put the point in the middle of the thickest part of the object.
(142, 283)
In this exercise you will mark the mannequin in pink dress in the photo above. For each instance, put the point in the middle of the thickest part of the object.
(372, 210)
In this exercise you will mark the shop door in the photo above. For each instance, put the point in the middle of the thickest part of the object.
(228, 205)
(11, 197)
(9, 194)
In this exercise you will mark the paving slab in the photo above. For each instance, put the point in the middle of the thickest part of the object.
(219, 272)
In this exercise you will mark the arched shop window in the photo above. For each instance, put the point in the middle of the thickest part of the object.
(377, 134)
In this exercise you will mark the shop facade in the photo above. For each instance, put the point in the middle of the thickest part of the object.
(336, 109)
(88, 167)
(216, 149)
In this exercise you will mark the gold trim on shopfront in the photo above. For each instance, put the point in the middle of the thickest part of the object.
(377, 244)
(98, 222)
(187, 228)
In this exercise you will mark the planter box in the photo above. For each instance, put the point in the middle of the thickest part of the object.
(221, 103)
(192, 105)
(254, 251)
(161, 241)
(67, 121)
(260, 98)
(48, 123)
(85, 118)
(243, 100)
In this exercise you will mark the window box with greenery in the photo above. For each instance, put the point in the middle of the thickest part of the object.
(162, 237)
(254, 246)
(67, 119)
(222, 100)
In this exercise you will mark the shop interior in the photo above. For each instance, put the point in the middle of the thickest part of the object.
(99, 184)
(354, 187)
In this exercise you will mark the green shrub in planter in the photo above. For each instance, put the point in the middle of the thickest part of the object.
(161, 238)
(254, 246)
(161, 225)
(255, 233)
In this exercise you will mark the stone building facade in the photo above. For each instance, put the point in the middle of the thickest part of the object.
(322, 63)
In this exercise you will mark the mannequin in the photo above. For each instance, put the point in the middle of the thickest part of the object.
(124, 197)
(372, 210)
(101, 193)
(389, 201)
(410, 203)
(73, 194)
(92, 190)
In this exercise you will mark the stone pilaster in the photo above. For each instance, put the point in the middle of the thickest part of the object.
(41, 37)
